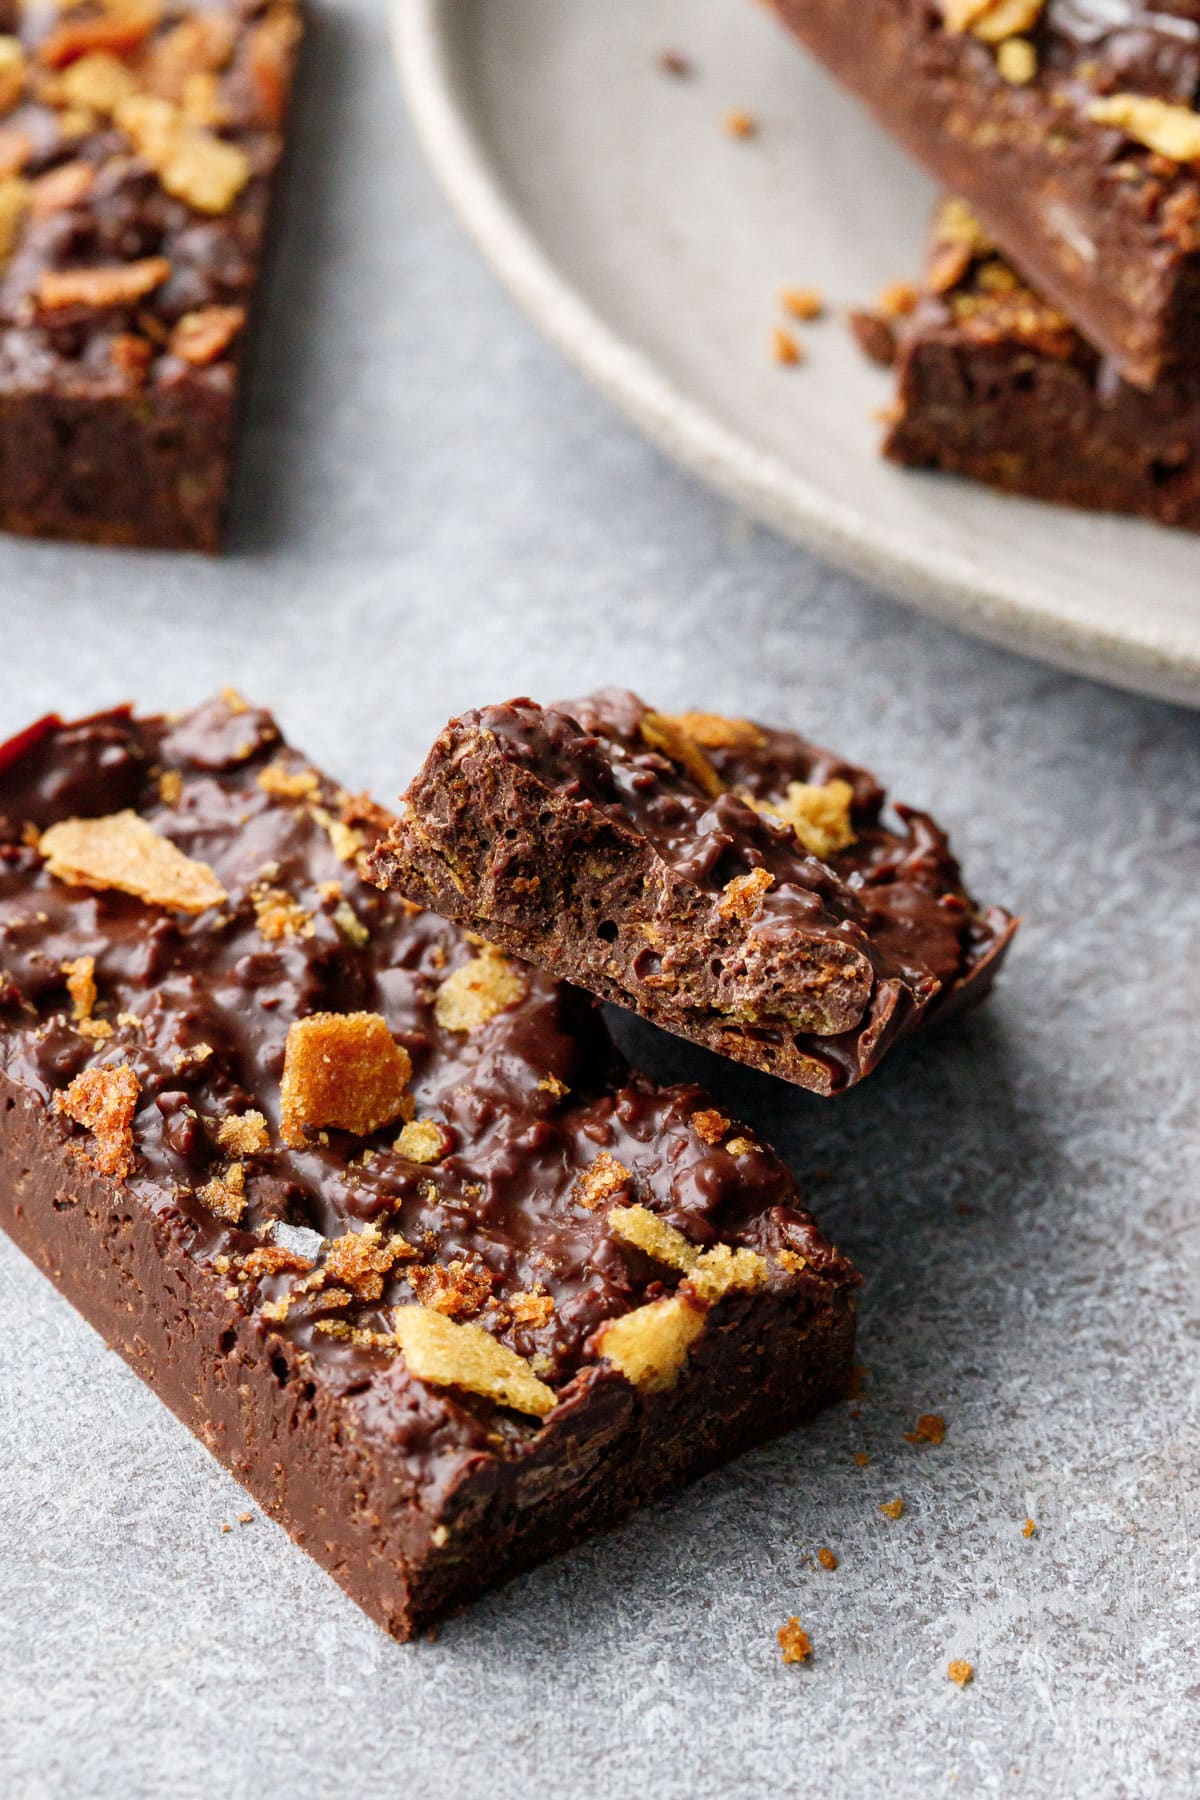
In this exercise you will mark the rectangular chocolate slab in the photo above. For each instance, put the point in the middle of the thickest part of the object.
(996, 384)
(380, 1213)
(729, 882)
(1068, 126)
(138, 143)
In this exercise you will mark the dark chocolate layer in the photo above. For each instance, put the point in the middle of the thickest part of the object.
(996, 384)
(237, 1244)
(1102, 224)
(669, 865)
(137, 147)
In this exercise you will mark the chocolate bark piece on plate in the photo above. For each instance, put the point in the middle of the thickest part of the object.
(996, 384)
(378, 1211)
(727, 881)
(1069, 126)
(138, 147)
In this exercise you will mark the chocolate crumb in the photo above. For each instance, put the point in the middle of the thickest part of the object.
(873, 335)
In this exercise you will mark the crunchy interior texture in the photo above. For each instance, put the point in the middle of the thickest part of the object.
(995, 383)
(1037, 115)
(662, 864)
(301, 1299)
(138, 140)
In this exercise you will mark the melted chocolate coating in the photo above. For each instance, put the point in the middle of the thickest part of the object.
(200, 1009)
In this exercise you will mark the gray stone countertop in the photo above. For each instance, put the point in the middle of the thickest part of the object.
(433, 512)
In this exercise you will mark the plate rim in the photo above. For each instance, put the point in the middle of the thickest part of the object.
(760, 483)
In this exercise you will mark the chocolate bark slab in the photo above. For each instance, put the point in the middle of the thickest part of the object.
(732, 883)
(381, 1214)
(996, 384)
(138, 143)
(1068, 126)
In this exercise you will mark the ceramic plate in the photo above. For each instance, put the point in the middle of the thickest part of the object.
(651, 246)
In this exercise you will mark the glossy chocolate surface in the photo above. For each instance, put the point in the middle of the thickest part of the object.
(200, 1009)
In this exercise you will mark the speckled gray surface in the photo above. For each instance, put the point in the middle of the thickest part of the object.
(435, 512)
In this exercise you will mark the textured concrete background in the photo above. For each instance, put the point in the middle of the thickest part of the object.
(434, 512)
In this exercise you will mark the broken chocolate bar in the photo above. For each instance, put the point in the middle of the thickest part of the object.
(729, 882)
(377, 1210)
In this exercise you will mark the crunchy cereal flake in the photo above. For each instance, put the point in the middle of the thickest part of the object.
(122, 851)
(742, 897)
(99, 81)
(534, 1308)
(12, 73)
(722, 1268)
(341, 1069)
(244, 1134)
(104, 1102)
(959, 1672)
(818, 813)
(113, 284)
(709, 1125)
(670, 738)
(714, 732)
(991, 20)
(650, 1345)
(1017, 61)
(225, 1194)
(359, 1260)
(447, 1354)
(421, 1141)
(14, 197)
(600, 1181)
(81, 985)
(457, 1288)
(638, 1226)
(891, 1509)
(478, 990)
(278, 779)
(191, 164)
(1170, 130)
(930, 1429)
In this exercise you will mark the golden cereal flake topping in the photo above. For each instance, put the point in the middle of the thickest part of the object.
(344, 1070)
(667, 735)
(722, 1268)
(742, 897)
(650, 1345)
(477, 991)
(795, 1645)
(600, 1181)
(818, 813)
(81, 985)
(225, 1194)
(534, 1308)
(190, 162)
(457, 1288)
(712, 732)
(284, 783)
(447, 1354)
(244, 1134)
(991, 20)
(1170, 130)
(14, 197)
(111, 284)
(421, 1141)
(12, 73)
(638, 1226)
(359, 1260)
(709, 1125)
(122, 851)
(959, 1672)
(104, 1102)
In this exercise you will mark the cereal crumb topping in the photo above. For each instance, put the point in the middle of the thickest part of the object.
(551, 1084)
(671, 738)
(826, 1558)
(81, 985)
(650, 1345)
(344, 1070)
(200, 337)
(794, 1642)
(818, 813)
(991, 20)
(723, 1268)
(225, 1194)
(784, 348)
(190, 162)
(714, 732)
(1169, 130)
(280, 916)
(477, 990)
(104, 1102)
(284, 783)
(244, 1134)
(600, 1181)
(791, 1261)
(638, 1226)
(741, 124)
(709, 1125)
(457, 1288)
(1029, 1528)
(742, 897)
(891, 1509)
(1017, 61)
(448, 1354)
(534, 1308)
(421, 1141)
(121, 851)
(111, 284)
(897, 299)
(359, 1260)
(960, 1672)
